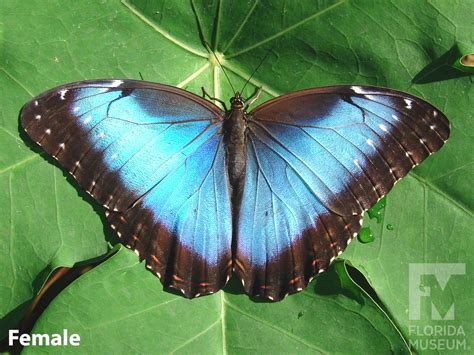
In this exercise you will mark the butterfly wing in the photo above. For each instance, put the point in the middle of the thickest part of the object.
(152, 155)
(316, 160)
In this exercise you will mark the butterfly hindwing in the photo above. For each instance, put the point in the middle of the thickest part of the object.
(316, 161)
(153, 156)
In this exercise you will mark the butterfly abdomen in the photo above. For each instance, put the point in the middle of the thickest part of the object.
(234, 140)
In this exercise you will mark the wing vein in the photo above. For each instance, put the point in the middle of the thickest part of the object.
(296, 172)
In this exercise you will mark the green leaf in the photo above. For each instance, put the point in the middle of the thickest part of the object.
(45, 221)
(117, 307)
(442, 235)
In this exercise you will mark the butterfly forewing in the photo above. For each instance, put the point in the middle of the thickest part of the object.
(316, 160)
(153, 156)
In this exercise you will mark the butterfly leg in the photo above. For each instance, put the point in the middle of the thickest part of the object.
(205, 94)
(254, 97)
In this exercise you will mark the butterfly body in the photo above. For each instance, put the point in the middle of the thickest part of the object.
(274, 195)
(234, 127)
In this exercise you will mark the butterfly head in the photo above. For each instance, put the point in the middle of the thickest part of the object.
(237, 101)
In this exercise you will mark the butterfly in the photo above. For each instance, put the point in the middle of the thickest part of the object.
(274, 195)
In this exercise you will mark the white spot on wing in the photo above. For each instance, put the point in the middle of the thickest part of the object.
(77, 108)
(408, 103)
(36, 103)
(88, 119)
(370, 142)
(395, 118)
(114, 156)
(383, 127)
(358, 90)
(62, 145)
(48, 131)
(38, 117)
(101, 135)
(62, 94)
(116, 83)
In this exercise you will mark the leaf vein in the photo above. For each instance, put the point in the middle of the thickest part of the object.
(21, 162)
(286, 30)
(276, 328)
(161, 31)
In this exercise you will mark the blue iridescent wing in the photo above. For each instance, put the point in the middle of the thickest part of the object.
(316, 161)
(153, 156)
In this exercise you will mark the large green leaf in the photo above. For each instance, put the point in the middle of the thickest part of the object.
(118, 308)
(45, 224)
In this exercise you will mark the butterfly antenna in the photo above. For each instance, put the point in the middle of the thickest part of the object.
(218, 61)
(258, 66)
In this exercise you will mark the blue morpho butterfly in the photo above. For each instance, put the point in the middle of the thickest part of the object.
(274, 194)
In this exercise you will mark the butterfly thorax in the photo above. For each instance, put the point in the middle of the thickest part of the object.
(234, 140)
